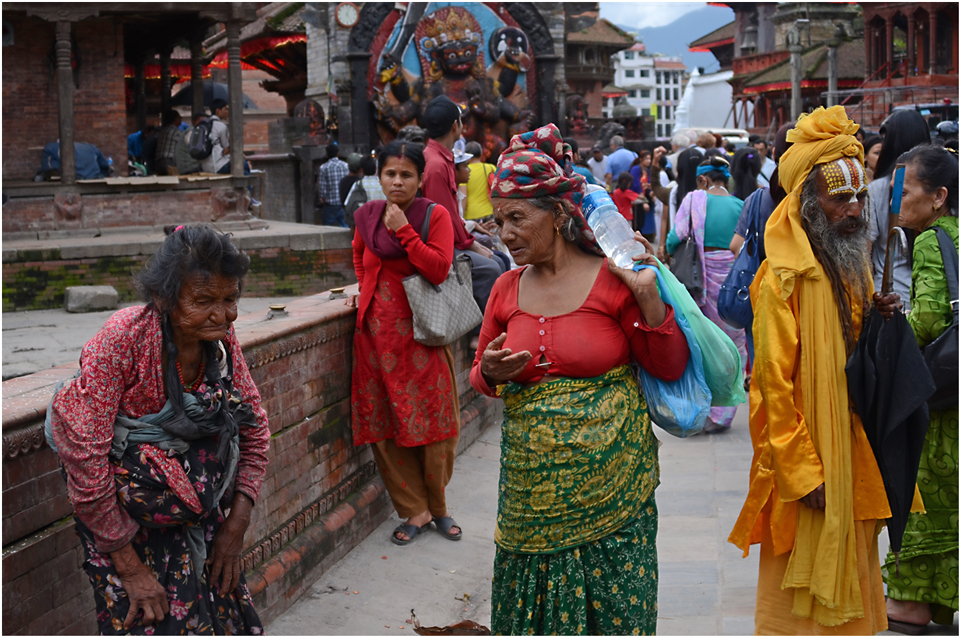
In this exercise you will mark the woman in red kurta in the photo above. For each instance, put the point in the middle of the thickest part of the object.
(404, 393)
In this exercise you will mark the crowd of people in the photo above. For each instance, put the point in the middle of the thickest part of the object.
(163, 438)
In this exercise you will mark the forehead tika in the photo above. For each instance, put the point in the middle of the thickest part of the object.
(845, 176)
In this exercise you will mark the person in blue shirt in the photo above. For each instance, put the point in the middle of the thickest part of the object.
(90, 162)
(135, 142)
(620, 159)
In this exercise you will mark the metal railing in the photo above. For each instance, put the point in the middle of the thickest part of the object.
(876, 103)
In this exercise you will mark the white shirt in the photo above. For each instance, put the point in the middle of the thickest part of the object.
(766, 172)
(220, 136)
(599, 169)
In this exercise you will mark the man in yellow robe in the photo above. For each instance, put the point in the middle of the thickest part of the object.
(816, 501)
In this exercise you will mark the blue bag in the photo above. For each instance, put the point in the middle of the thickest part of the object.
(679, 407)
(733, 302)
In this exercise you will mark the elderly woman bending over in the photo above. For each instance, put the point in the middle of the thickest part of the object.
(163, 442)
(577, 520)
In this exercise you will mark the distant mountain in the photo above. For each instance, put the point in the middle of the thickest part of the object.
(674, 38)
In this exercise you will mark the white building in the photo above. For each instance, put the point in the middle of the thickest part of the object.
(634, 75)
(652, 83)
(668, 74)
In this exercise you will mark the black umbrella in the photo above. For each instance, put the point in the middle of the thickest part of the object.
(890, 383)
(211, 91)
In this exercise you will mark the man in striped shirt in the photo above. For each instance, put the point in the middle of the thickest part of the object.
(328, 184)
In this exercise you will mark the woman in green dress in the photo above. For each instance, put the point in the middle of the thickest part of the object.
(577, 519)
(926, 587)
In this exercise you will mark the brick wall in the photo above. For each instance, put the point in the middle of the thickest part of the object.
(30, 116)
(39, 279)
(321, 495)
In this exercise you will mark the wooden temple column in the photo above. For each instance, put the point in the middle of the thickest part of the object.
(165, 82)
(868, 42)
(889, 43)
(235, 88)
(933, 41)
(68, 160)
(911, 43)
(196, 76)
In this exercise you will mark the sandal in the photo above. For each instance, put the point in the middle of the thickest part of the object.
(906, 628)
(412, 530)
(444, 525)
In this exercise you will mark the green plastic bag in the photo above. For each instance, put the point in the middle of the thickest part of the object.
(722, 366)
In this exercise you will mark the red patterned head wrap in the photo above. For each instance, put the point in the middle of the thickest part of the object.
(540, 164)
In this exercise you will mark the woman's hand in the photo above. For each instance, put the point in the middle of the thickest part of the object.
(643, 284)
(352, 301)
(500, 365)
(143, 590)
(481, 249)
(393, 217)
(224, 560)
(479, 227)
(887, 305)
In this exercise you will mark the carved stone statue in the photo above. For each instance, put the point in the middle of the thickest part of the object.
(449, 44)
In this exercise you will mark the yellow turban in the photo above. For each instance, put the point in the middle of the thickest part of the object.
(821, 137)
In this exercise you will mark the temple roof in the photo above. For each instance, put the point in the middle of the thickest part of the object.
(602, 32)
(851, 62)
(717, 37)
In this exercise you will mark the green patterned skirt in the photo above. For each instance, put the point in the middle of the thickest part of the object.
(577, 519)
(928, 561)
(605, 587)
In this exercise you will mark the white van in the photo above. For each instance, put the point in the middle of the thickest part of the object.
(738, 136)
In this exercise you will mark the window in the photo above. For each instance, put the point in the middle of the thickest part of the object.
(659, 94)
(666, 112)
(630, 73)
(659, 77)
(645, 92)
(676, 94)
(645, 112)
(666, 130)
(644, 73)
(628, 55)
(632, 93)
(659, 130)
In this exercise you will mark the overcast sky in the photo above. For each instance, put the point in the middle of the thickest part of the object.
(646, 14)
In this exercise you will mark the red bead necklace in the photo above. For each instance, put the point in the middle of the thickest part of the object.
(197, 382)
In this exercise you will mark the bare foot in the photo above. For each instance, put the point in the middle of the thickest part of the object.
(910, 612)
(417, 520)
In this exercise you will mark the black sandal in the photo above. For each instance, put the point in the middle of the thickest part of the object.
(444, 525)
(412, 530)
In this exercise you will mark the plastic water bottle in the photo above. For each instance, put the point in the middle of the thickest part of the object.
(612, 230)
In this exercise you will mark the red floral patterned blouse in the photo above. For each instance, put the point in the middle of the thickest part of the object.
(121, 373)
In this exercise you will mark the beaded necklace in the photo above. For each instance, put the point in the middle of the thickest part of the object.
(197, 382)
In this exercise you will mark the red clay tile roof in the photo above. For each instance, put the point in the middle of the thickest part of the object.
(668, 65)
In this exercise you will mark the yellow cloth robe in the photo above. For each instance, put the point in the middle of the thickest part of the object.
(801, 423)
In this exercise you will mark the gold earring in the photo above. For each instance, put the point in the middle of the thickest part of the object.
(936, 208)
(557, 230)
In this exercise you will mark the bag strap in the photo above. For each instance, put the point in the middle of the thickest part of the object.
(425, 228)
(949, 255)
